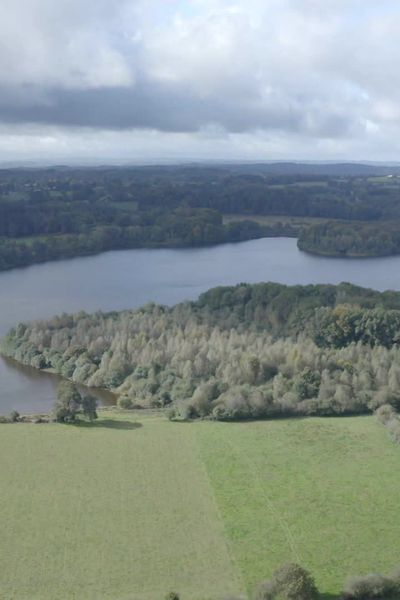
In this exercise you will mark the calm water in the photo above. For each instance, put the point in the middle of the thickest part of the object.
(127, 279)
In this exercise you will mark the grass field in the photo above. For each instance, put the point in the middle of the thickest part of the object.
(274, 219)
(137, 506)
(297, 184)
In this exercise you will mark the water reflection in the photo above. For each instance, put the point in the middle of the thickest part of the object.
(30, 390)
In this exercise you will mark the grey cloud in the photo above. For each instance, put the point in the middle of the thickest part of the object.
(167, 107)
(109, 68)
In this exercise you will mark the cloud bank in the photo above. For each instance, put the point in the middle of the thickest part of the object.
(251, 79)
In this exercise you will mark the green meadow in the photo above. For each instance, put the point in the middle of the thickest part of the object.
(136, 506)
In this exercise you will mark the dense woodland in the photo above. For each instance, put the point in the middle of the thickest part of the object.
(178, 228)
(248, 351)
(55, 213)
(351, 239)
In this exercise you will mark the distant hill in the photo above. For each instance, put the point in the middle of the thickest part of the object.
(344, 169)
(326, 169)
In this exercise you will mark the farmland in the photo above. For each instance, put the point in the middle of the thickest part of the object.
(136, 506)
(271, 220)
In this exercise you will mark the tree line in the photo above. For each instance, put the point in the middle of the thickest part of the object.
(181, 228)
(64, 200)
(351, 239)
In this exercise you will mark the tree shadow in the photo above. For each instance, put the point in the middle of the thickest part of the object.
(109, 424)
(330, 596)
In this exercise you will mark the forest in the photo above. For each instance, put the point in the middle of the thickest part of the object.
(157, 229)
(47, 214)
(249, 351)
(353, 240)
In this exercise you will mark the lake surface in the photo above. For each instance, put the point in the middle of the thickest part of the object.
(130, 278)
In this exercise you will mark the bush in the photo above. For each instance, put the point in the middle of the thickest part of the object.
(390, 419)
(289, 582)
(125, 402)
(172, 596)
(385, 413)
(371, 587)
(171, 413)
(187, 412)
(295, 583)
(14, 416)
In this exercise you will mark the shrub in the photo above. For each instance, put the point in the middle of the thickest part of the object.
(125, 402)
(187, 411)
(390, 419)
(202, 398)
(289, 582)
(172, 596)
(371, 587)
(385, 413)
(171, 413)
(14, 416)
(294, 583)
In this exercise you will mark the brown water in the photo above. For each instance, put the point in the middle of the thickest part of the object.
(130, 278)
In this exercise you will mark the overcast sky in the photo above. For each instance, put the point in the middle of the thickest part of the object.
(151, 80)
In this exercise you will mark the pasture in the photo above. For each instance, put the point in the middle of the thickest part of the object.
(271, 220)
(136, 506)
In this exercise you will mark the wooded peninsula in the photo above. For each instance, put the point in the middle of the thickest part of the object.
(249, 351)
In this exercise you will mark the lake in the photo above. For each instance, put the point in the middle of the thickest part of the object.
(130, 278)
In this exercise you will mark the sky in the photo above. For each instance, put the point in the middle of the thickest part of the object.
(144, 81)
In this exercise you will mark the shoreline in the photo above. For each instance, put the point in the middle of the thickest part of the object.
(345, 256)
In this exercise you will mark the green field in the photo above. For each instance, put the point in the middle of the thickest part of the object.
(137, 506)
(299, 184)
(271, 220)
